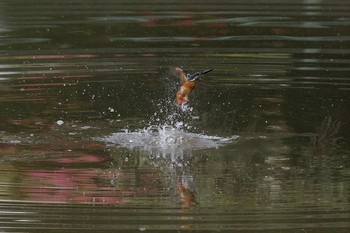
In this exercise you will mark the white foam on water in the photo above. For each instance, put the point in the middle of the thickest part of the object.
(165, 140)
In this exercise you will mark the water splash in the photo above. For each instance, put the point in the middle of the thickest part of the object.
(165, 140)
(169, 129)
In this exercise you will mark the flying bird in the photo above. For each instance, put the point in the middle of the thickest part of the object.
(188, 83)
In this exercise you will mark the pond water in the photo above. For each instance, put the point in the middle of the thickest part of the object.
(91, 139)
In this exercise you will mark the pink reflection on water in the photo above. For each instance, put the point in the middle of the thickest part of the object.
(87, 158)
(119, 55)
(63, 56)
(64, 182)
(71, 185)
(186, 23)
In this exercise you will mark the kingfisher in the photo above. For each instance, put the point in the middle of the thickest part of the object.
(188, 83)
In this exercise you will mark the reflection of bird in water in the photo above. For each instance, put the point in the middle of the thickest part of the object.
(187, 196)
(188, 83)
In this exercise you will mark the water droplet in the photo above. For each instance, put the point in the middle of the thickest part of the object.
(60, 122)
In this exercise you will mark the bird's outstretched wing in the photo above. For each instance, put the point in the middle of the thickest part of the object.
(180, 73)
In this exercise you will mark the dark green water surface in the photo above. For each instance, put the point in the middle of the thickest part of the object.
(92, 141)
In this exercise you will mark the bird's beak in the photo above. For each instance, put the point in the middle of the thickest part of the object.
(197, 75)
(206, 71)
